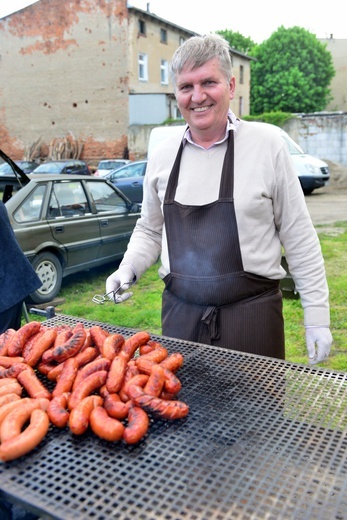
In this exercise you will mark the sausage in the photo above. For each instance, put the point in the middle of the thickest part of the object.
(67, 377)
(55, 371)
(144, 349)
(32, 356)
(98, 335)
(172, 383)
(88, 342)
(45, 368)
(112, 346)
(30, 342)
(21, 336)
(7, 408)
(134, 342)
(116, 374)
(57, 410)
(13, 388)
(71, 347)
(157, 355)
(7, 362)
(6, 381)
(9, 398)
(138, 424)
(155, 382)
(27, 440)
(86, 355)
(5, 340)
(61, 338)
(160, 407)
(115, 407)
(87, 387)
(79, 416)
(32, 384)
(14, 370)
(130, 372)
(104, 426)
(173, 362)
(90, 368)
(14, 421)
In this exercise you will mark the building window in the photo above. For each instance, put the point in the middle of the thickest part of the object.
(241, 74)
(163, 35)
(142, 27)
(176, 112)
(143, 67)
(240, 106)
(164, 72)
(181, 40)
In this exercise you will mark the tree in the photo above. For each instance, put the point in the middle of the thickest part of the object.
(292, 73)
(237, 41)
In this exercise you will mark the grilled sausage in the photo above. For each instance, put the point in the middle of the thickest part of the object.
(134, 342)
(33, 355)
(12, 388)
(71, 347)
(5, 340)
(157, 355)
(116, 373)
(104, 426)
(7, 408)
(79, 416)
(156, 381)
(138, 424)
(57, 410)
(14, 421)
(98, 335)
(14, 370)
(160, 407)
(94, 366)
(173, 362)
(32, 384)
(9, 398)
(21, 336)
(67, 377)
(115, 407)
(28, 439)
(7, 361)
(112, 346)
(87, 387)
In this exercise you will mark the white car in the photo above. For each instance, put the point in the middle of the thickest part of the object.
(312, 172)
(106, 165)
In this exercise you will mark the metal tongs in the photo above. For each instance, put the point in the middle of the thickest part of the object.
(100, 299)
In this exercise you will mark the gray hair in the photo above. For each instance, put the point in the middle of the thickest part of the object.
(197, 50)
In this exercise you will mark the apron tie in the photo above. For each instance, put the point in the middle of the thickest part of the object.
(210, 318)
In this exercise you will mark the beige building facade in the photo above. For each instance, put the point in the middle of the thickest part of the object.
(338, 50)
(93, 72)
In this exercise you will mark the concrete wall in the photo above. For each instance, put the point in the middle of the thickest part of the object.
(323, 135)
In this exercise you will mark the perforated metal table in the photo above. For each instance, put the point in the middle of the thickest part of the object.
(264, 439)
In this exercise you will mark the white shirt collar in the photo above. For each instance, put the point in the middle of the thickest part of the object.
(232, 124)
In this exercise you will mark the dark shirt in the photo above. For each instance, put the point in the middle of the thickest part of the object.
(17, 276)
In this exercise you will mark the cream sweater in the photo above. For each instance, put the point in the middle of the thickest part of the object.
(270, 210)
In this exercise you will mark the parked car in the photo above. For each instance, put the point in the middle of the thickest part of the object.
(70, 166)
(312, 172)
(129, 179)
(26, 166)
(107, 165)
(66, 224)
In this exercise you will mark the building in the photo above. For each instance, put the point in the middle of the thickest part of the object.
(338, 50)
(91, 73)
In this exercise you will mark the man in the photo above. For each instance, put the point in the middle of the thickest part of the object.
(17, 276)
(219, 204)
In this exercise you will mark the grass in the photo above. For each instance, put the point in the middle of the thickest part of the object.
(143, 310)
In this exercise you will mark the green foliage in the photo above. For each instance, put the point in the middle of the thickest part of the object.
(273, 118)
(237, 41)
(292, 73)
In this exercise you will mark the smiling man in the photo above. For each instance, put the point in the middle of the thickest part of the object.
(220, 202)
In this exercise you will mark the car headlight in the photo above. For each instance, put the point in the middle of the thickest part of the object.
(313, 170)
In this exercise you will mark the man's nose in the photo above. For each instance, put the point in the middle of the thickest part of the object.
(199, 94)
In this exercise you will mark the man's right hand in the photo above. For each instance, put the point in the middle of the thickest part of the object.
(120, 281)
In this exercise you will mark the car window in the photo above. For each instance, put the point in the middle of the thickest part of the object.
(106, 198)
(52, 167)
(67, 200)
(30, 210)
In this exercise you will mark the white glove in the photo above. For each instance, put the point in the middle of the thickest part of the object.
(323, 338)
(120, 281)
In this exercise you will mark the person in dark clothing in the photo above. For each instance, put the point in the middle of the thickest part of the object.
(17, 276)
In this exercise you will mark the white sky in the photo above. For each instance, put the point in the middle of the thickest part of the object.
(256, 19)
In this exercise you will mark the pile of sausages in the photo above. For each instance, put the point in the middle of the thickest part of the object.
(102, 381)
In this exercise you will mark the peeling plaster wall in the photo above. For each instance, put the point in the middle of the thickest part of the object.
(63, 69)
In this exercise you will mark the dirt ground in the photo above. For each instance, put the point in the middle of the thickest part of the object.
(329, 204)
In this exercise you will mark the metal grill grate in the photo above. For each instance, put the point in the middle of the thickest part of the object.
(265, 439)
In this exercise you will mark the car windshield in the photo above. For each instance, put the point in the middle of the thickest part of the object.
(294, 149)
(109, 165)
(52, 167)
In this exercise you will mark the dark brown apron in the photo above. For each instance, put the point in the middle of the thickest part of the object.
(208, 297)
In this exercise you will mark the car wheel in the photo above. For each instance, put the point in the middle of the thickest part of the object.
(49, 270)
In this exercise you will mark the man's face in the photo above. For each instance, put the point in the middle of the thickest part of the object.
(203, 96)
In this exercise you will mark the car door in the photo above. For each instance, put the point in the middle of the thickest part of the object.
(130, 181)
(73, 224)
(115, 220)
